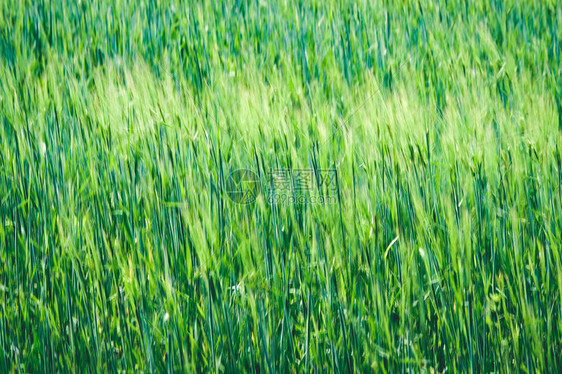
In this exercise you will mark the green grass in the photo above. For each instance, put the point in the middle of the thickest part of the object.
(120, 249)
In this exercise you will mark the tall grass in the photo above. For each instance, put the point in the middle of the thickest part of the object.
(121, 122)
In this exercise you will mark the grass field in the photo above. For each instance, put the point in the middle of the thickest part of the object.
(428, 237)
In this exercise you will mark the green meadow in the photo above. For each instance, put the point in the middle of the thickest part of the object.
(428, 237)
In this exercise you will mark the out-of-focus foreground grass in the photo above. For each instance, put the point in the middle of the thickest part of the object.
(121, 122)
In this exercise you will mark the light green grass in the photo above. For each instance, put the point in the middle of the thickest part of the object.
(120, 123)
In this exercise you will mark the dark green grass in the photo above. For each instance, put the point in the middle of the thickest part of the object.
(120, 249)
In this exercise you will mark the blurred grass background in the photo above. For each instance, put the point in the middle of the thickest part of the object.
(122, 120)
